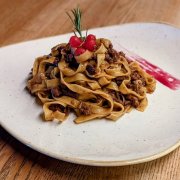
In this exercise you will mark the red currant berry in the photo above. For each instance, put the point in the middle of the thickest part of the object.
(90, 37)
(79, 51)
(83, 45)
(90, 45)
(75, 41)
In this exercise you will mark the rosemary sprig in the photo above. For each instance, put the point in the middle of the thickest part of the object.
(76, 20)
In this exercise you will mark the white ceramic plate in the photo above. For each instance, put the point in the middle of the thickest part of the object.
(136, 137)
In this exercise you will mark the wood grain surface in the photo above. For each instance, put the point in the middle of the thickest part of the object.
(23, 20)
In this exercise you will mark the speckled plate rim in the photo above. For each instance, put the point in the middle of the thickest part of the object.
(93, 162)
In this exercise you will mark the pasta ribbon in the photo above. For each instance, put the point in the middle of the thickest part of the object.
(94, 85)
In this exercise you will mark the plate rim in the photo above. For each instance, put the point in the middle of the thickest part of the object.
(86, 161)
(93, 162)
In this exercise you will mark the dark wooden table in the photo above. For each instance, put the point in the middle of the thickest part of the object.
(24, 20)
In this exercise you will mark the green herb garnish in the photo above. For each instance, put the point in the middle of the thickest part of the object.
(76, 20)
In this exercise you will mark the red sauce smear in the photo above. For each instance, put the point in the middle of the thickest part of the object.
(159, 74)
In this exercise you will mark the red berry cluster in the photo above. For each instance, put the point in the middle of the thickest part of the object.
(89, 43)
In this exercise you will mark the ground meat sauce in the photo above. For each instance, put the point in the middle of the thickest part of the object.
(136, 76)
(56, 92)
(62, 90)
(120, 79)
(108, 58)
(94, 57)
(59, 55)
(136, 83)
(57, 107)
(127, 102)
(49, 67)
(84, 109)
(112, 55)
(71, 61)
(56, 61)
(124, 99)
(67, 92)
(134, 100)
(69, 57)
(91, 69)
(117, 96)
(135, 86)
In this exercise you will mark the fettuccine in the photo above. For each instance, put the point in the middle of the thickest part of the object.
(99, 84)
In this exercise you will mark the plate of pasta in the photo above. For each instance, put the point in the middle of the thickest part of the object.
(104, 101)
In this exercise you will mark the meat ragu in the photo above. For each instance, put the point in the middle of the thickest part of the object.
(84, 109)
(88, 76)
(57, 107)
(65, 78)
